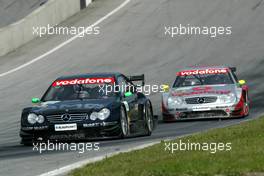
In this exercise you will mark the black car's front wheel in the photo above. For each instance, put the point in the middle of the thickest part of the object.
(27, 142)
(124, 123)
(149, 118)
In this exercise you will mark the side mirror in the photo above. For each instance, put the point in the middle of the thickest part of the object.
(241, 82)
(165, 87)
(35, 100)
(128, 94)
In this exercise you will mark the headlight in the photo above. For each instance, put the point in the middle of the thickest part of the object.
(174, 101)
(229, 98)
(94, 116)
(40, 119)
(102, 115)
(33, 118)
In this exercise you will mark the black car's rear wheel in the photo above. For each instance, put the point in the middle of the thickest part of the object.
(149, 119)
(246, 110)
(124, 123)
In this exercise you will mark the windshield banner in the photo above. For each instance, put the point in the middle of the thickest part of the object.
(83, 81)
(202, 72)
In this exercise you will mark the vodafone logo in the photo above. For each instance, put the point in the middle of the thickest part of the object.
(202, 72)
(83, 81)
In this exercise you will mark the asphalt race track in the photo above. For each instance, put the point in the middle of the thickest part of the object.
(131, 41)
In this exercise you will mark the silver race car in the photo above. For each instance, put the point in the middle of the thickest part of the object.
(205, 92)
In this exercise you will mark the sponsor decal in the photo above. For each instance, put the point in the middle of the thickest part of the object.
(65, 127)
(202, 72)
(83, 81)
(41, 127)
(198, 108)
(98, 124)
(206, 88)
(201, 92)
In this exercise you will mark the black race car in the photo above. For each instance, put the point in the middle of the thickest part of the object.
(88, 106)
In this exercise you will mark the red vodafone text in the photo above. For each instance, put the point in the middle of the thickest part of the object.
(202, 72)
(83, 81)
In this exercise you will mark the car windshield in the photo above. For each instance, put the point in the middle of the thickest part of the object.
(202, 79)
(79, 92)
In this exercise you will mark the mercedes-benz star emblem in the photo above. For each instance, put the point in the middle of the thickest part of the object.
(66, 117)
(200, 100)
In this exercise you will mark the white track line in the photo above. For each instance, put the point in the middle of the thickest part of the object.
(66, 42)
(68, 168)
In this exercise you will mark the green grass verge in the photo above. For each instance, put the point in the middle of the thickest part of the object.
(245, 158)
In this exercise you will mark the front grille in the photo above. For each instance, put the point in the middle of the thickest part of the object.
(56, 118)
(200, 100)
(205, 114)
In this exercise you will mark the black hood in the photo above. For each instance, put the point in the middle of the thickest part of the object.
(74, 106)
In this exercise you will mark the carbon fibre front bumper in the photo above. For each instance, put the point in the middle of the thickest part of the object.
(89, 131)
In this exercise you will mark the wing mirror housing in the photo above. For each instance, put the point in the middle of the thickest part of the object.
(35, 100)
(128, 94)
(241, 82)
(166, 87)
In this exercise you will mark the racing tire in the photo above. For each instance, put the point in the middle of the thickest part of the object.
(31, 142)
(246, 110)
(27, 142)
(149, 118)
(124, 123)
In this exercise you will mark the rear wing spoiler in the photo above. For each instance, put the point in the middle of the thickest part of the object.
(233, 69)
(137, 78)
